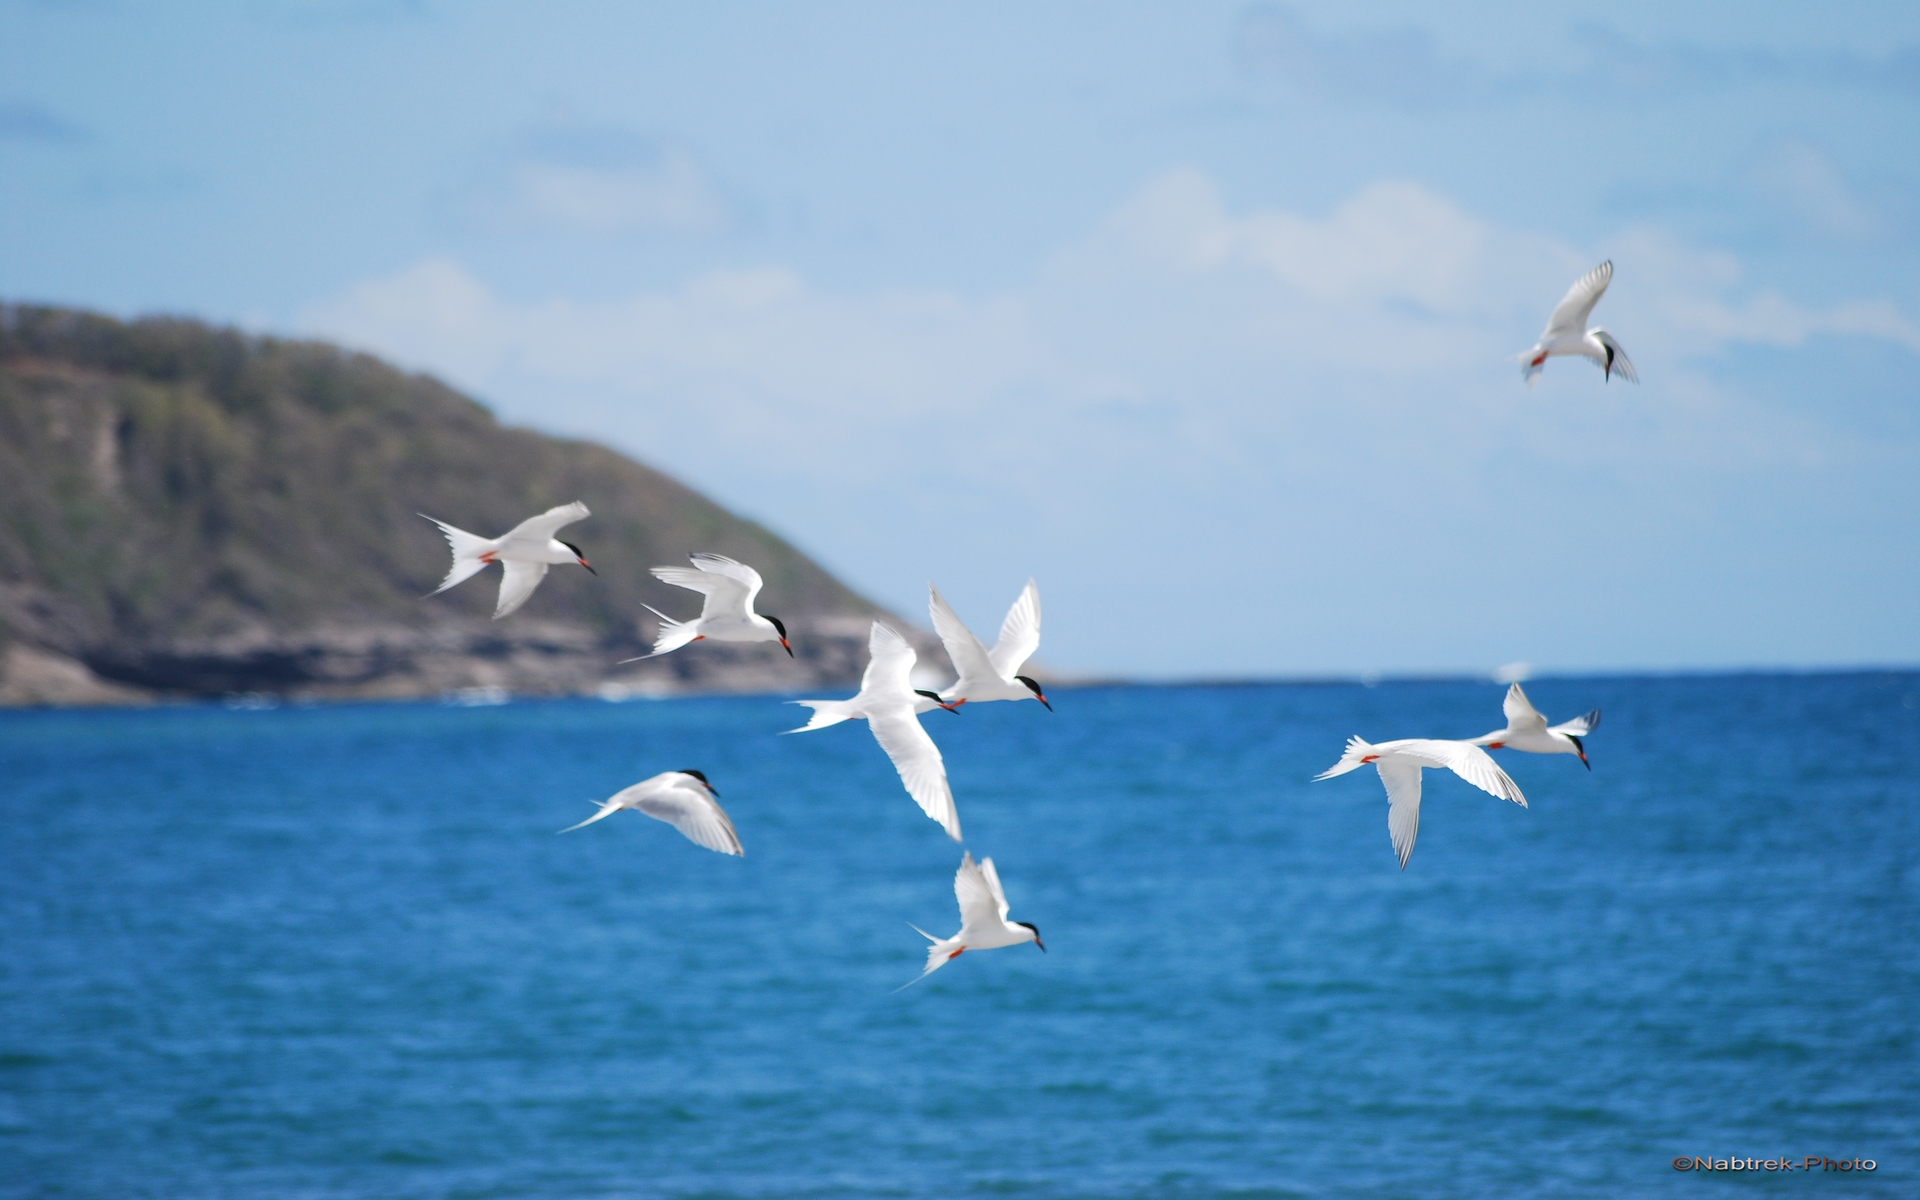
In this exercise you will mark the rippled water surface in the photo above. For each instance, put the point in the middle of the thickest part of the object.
(339, 952)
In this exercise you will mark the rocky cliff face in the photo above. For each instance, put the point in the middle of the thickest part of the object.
(190, 511)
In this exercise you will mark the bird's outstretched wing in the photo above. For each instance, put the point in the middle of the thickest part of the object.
(980, 909)
(1019, 633)
(541, 529)
(1403, 804)
(694, 812)
(727, 594)
(1468, 761)
(1521, 714)
(969, 657)
(993, 881)
(1579, 726)
(922, 771)
(517, 581)
(890, 668)
(720, 564)
(1570, 317)
(1617, 362)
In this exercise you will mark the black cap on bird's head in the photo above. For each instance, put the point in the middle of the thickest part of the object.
(782, 630)
(1580, 749)
(935, 697)
(1036, 933)
(1035, 689)
(578, 555)
(702, 777)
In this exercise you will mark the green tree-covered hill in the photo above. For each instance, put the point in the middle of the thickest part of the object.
(194, 510)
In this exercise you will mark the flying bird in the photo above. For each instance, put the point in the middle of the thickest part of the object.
(990, 674)
(1527, 730)
(1567, 331)
(891, 705)
(983, 919)
(726, 616)
(1400, 764)
(523, 552)
(684, 800)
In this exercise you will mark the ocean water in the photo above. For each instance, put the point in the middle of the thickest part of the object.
(340, 952)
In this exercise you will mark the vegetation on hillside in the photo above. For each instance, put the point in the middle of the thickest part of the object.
(163, 481)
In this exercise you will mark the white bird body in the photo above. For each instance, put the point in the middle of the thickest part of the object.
(890, 705)
(684, 800)
(726, 615)
(1567, 333)
(523, 552)
(983, 918)
(1400, 763)
(990, 674)
(1527, 730)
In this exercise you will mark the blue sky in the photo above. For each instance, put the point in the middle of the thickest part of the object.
(1200, 313)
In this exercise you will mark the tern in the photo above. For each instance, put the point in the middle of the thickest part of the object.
(1400, 764)
(523, 552)
(1567, 331)
(891, 705)
(684, 800)
(989, 674)
(983, 919)
(727, 615)
(1527, 730)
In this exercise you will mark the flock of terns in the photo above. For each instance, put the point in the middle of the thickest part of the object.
(891, 705)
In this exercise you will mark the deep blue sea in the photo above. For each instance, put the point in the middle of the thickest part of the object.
(339, 952)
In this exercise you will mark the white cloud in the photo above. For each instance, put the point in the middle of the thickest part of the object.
(599, 180)
(1396, 279)
(1262, 389)
(673, 196)
(1804, 186)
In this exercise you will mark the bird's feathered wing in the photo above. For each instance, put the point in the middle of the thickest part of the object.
(1570, 316)
(922, 771)
(540, 529)
(1520, 712)
(889, 665)
(993, 881)
(517, 581)
(1402, 778)
(729, 586)
(1579, 726)
(980, 909)
(1619, 363)
(1019, 633)
(720, 564)
(1466, 760)
(970, 659)
(691, 809)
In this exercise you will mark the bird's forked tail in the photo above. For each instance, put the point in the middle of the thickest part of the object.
(607, 809)
(943, 951)
(1355, 756)
(673, 634)
(468, 554)
(825, 713)
(1531, 363)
